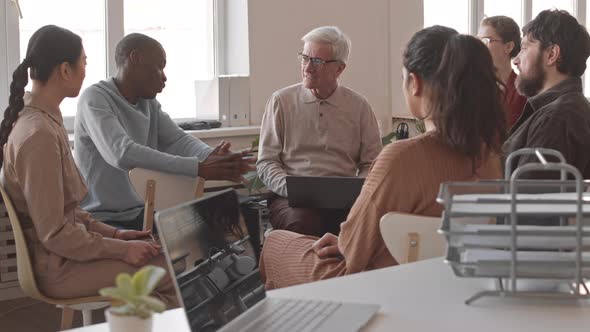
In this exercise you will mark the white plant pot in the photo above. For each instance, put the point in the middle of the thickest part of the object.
(121, 323)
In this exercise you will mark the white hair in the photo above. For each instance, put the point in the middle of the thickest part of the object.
(338, 41)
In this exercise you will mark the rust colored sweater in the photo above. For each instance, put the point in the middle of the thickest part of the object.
(405, 177)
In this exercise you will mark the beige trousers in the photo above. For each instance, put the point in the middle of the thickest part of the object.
(80, 279)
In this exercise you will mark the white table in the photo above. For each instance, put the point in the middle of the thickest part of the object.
(424, 296)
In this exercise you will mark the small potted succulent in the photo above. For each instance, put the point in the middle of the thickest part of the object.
(132, 306)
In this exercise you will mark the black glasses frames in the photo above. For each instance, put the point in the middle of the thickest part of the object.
(305, 59)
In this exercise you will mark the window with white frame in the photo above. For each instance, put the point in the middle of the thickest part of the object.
(450, 13)
(541, 5)
(510, 8)
(186, 29)
(91, 28)
(465, 15)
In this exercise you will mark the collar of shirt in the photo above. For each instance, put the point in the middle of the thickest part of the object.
(308, 97)
(572, 84)
(509, 88)
(39, 103)
(511, 80)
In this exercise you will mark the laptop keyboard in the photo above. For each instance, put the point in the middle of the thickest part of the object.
(293, 315)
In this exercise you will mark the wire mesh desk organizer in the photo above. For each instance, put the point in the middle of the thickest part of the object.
(486, 240)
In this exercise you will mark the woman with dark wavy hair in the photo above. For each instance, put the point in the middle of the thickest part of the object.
(73, 255)
(449, 81)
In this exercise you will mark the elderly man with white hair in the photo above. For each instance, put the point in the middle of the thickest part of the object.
(316, 128)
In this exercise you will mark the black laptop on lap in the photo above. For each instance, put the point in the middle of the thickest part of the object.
(323, 192)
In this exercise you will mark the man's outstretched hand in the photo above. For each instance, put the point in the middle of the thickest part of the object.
(222, 149)
(222, 164)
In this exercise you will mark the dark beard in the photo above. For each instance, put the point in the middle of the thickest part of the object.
(531, 85)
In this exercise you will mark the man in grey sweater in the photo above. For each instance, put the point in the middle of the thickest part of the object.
(120, 125)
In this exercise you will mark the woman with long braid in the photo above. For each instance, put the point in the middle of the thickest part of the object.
(73, 255)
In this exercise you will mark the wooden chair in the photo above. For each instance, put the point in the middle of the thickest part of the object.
(28, 283)
(173, 190)
(410, 238)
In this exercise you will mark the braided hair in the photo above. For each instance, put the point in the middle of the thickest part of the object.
(49, 47)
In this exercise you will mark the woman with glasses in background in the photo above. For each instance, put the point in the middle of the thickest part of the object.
(501, 35)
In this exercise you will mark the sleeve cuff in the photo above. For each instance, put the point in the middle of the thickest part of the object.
(102, 229)
(208, 153)
(189, 167)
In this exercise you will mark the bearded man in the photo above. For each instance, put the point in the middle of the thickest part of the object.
(552, 59)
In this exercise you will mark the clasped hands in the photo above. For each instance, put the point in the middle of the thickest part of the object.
(138, 252)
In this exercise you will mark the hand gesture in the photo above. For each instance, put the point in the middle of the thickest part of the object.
(229, 166)
(139, 253)
(327, 246)
(222, 149)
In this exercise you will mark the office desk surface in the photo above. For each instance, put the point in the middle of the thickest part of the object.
(425, 296)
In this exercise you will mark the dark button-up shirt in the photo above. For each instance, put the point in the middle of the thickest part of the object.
(559, 119)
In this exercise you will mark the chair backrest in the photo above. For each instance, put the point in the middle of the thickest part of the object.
(162, 190)
(410, 238)
(26, 277)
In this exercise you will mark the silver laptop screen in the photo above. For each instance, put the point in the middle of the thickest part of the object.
(213, 258)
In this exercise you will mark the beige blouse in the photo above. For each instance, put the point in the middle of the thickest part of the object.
(46, 188)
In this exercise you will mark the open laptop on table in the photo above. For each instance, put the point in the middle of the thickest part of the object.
(217, 280)
(323, 192)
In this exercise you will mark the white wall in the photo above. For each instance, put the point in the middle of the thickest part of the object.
(379, 29)
(405, 18)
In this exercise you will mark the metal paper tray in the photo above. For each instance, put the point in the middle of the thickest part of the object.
(531, 264)
(498, 236)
